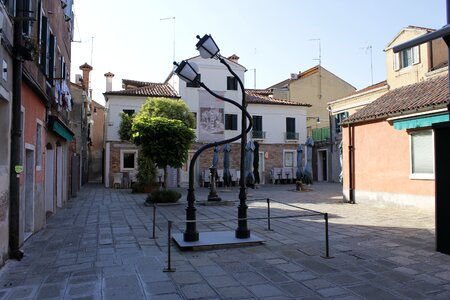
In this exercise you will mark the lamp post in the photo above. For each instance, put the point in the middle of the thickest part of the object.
(188, 72)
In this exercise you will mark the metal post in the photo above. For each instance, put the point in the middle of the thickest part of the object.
(16, 139)
(327, 249)
(242, 231)
(154, 221)
(268, 214)
(169, 242)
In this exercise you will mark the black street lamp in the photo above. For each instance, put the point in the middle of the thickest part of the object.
(188, 72)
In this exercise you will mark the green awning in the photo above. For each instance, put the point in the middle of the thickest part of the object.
(425, 121)
(61, 130)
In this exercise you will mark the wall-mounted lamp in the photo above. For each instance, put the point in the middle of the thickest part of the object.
(312, 118)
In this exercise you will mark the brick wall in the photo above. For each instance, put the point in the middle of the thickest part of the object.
(273, 156)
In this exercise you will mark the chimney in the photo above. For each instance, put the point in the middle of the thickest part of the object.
(109, 76)
(86, 70)
(234, 58)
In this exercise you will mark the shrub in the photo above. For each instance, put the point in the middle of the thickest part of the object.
(163, 196)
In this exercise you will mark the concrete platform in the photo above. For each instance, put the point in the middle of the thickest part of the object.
(215, 240)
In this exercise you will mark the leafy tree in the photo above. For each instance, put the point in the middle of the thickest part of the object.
(125, 126)
(169, 109)
(165, 141)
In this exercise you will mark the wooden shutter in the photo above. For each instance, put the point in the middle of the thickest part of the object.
(396, 61)
(415, 55)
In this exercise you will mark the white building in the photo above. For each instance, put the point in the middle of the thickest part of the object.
(121, 156)
(279, 125)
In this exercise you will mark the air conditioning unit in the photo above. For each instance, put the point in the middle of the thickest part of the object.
(293, 76)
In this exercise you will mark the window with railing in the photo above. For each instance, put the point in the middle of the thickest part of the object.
(290, 129)
(258, 132)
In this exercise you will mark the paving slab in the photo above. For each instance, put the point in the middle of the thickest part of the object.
(99, 246)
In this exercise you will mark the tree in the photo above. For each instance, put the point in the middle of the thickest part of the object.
(169, 109)
(173, 109)
(125, 126)
(165, 141)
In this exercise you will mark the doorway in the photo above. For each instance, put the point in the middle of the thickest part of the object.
(49, 181)
(29, 193)
(59, 176)
(322, 165)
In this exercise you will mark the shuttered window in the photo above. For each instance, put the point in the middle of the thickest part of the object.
(422, 153)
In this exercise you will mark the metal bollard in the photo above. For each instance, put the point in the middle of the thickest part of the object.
(154, 221)
(169, 241)
(268, 215)
(327, 249)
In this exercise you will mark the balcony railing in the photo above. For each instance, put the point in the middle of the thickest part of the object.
(321, 134)
(258, 134)
(291, 136)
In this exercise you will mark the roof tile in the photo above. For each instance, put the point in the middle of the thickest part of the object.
(410, 98)
(151, 90)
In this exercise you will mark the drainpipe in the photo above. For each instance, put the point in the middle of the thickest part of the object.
(16, 139)
(351, 162)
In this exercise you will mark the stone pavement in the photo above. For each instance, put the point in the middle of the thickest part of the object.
(100, 247)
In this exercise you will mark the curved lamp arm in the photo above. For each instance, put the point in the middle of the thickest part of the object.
(210, 145)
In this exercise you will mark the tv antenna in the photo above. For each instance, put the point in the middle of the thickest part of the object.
(368, 48)
(171, 18)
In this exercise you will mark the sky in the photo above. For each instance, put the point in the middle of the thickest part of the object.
(138, 39)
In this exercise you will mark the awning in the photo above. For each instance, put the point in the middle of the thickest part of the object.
(425, 121)
(60, 128)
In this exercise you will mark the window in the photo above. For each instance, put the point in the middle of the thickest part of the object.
(257, 123)
(288, 159)
(232, 83)
(38, 146)
(422, 158)
(128, 160)
(194, 84)
(406, 58)
(338, 119)
(129, 112)
(257, 127)
(290, 129)
(51, 58)
(27, 9)
(43, 44)
(230, 122)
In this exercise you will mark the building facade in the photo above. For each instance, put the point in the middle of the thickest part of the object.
(391, 123)
(279, 125)
(317, 86)
(39, 121)
(6, 87)
(121, 156)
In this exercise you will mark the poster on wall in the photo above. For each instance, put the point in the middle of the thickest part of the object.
(212, 118)
(211, 124)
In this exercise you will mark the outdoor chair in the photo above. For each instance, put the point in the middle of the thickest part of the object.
(276, 175)
(117, 180)
(234, 178)
(219, 178)
(287, 175)
(206, 179)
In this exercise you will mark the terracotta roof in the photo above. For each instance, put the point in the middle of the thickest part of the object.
(135, 83)
(261, 99)
(264, 92)
(370, 87)
(151, 90)
(432, 93)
